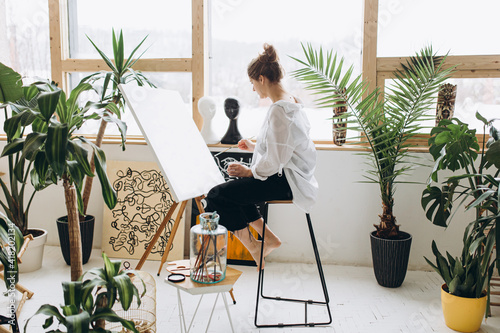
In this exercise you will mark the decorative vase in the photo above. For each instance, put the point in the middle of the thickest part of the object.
(460, 313)
(86, 234)
(33, 257)
(390, 259)
(208, 254)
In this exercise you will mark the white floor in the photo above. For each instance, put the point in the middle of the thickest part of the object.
(358, 303)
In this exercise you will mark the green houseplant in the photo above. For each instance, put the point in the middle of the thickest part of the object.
(84, 309)
(58, 153)
(386, 123)
(17, 195)
(121, 71)
(14, 203)
(464, 295)
(455, 147)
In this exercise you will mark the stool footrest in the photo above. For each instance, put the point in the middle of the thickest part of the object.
(260, 287)
(283, 299)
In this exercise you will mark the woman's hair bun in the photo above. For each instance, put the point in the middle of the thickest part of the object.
(266, 64)
(270, 54)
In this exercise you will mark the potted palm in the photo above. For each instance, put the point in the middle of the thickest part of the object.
(386, 123)
(17, 195)
(454, 147)
(59, 154)
(84, 309)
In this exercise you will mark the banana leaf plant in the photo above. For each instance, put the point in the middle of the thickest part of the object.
(82, 312)
(384, 122)
(121, 71)
(57, 152)
(17, 197)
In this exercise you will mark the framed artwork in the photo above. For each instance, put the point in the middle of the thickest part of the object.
(144, 199)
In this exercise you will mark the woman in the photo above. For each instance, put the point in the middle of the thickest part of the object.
(283, 161)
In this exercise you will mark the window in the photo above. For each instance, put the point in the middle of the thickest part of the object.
(240, 28)
(24, 37)
(166, 23)
(461, 27)
(477, 95)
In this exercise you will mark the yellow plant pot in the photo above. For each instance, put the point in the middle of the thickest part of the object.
(462, 314)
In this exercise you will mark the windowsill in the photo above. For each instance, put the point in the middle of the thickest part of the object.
(139, 140)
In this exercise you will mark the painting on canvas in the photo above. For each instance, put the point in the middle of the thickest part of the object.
(143, 201)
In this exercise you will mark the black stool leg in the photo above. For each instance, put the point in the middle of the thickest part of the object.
(260, 286)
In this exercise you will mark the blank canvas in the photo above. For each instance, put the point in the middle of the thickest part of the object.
(179, 148)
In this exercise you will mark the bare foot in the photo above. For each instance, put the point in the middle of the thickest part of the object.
(269, 247)
(271, 244)
(255, 252)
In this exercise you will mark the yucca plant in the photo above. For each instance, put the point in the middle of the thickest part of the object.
(57, 152)
(121, 72)
(83, 311)
(384, 122)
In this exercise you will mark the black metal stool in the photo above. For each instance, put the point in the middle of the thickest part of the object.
(260, 284)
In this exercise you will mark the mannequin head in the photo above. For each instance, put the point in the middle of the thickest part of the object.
(232, 107)
(207, 107)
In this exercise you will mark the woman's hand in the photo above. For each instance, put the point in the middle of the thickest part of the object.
(239, 170)
(245, 144)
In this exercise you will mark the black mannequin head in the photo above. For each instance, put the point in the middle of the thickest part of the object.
(232, 107)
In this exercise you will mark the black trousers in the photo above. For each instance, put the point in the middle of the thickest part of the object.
(235, 200)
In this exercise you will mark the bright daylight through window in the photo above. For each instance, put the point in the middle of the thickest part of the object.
(239, 28)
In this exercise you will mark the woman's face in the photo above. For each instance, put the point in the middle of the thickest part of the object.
(257, 87)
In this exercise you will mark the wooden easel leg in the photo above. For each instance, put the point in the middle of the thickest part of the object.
(199, 205)
(21, 303)
(172, 235)
(156, 236)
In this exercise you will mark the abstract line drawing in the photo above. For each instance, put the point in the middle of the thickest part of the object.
(143, 202)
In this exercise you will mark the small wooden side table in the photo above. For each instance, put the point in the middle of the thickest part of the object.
(195, 288)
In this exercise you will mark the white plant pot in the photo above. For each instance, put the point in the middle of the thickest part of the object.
(33, 256)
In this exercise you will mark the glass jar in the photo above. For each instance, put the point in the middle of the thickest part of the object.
(208, 254)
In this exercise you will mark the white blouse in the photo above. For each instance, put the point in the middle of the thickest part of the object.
(283, 143)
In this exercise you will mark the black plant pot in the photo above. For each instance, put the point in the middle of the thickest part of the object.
(390, 259)
(86, 233)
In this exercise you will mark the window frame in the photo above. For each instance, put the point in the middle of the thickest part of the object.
(375, 70)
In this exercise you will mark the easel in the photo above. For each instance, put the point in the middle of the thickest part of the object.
(172, 234)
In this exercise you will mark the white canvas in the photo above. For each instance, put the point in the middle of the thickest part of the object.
(179, 148)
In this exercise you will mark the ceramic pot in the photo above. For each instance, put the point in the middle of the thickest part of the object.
(460, 313)
(390, 259)
(86, 234)
(33, 257)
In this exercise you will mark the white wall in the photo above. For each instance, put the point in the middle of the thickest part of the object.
(343, 216)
